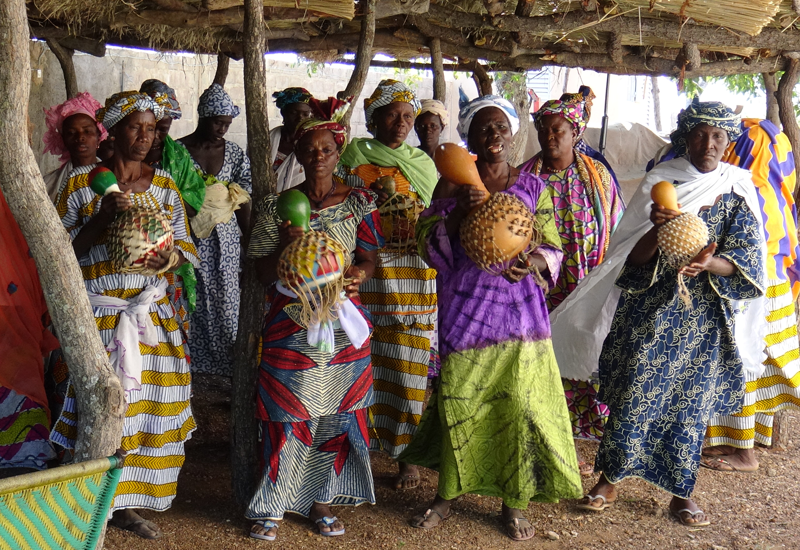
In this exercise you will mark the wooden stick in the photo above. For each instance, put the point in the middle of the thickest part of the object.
(363, 57)
(221, 75)
(437, 64)
(64, 56)
(786, 107)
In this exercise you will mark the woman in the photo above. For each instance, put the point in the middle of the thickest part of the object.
(24, 339)
(171, 156)
(73, 134)
(430, 123)
(316, 444)
(497, 424)
(216, 318)
(401, 296)
(667, 368)
(587, 207)
(293, 103)
(151, 362)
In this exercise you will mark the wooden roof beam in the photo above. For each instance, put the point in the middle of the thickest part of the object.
(207, 19)
(81, 44)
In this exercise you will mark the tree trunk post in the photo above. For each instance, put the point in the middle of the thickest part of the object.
(100, 400)
(771, 87)
(786, 107)
(64, 56)
(656, 102)
(514, 86)
(437, 66)
(244, 426)
(221, 75)
(482, 79)
(363, 58)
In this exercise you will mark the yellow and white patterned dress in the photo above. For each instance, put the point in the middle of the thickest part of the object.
(159, 418)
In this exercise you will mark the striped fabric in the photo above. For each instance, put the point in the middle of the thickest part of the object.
(401, 296)
(159, 418)
(24, 432)
(766, 151)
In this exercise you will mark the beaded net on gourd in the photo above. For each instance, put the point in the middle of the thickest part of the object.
(680, 240)
(313, 267)
(498, 232)
(140, 231)
(399, 215)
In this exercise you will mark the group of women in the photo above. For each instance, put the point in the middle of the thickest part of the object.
(661, 369)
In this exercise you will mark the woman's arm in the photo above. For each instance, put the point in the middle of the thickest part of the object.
(111, 205)
(267, 266)
(645, 250)
(361, 271)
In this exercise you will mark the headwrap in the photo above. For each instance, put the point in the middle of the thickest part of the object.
(436, 107)
(468, 112)
(215, 101)
(388, 91)
(326, 116)
(575, 108)
(713, 113)
(290, 96)
(155, 89)
(82, 104)
(120, 105)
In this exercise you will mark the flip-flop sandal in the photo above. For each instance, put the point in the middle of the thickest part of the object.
(585, 468)
(587, 506)
(133, 527)
(514, 525)
(266, 524)
(677, 515)
(722, 465)
(328, 522)
(417, 521)
(400, 479)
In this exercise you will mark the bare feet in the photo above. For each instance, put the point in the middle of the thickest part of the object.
(600, 497)
(687, 512)
(719, 450)
(585, 468)
(407, 478)
(436, 514)
(320, 511)
(741, 460)
(129, 520)
(517, 527)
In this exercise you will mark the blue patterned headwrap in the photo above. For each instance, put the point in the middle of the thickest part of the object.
(215, 101)
(121, 104)
(468, 112)
(713, 113)
(388, 91)
(155, 88)
(290, 96)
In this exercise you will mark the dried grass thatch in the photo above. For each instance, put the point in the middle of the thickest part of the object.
(630, 40)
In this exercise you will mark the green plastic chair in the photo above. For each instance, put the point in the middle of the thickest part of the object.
(60, 508)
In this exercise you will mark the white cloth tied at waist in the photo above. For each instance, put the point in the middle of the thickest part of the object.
(135, 325)
(321, 335)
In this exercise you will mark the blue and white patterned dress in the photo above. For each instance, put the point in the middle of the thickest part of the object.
(214, 322)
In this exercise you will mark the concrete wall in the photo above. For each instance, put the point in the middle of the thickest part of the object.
(125, 69)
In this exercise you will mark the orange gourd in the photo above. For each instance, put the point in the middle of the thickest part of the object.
(456, 165)
(664, 194)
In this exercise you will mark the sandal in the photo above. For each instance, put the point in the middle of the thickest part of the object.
(135, 527)
(587, 506)
(417, 521)
(266, 524)
(513, 527)
(328, 522)
(585, 468)
(722, 465)
(677, 515)
(400, 480)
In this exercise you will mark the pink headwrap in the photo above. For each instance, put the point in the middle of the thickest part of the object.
(82, 104)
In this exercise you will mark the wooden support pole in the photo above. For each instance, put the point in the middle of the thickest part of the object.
(437, 64)
(786, 107)
(244, 427)
(223, 61)
(64, 56)
(771, 88)
(482, 79)
(363, 58)
(656, 102)
(100, 399)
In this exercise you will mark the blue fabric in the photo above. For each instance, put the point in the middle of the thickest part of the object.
(666, 370)
(712, 113)
(215, 101)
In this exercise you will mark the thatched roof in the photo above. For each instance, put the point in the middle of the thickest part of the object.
(693, 37)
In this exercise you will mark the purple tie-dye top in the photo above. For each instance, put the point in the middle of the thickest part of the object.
(476, 309)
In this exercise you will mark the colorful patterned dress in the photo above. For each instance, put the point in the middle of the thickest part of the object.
(666, 370)
(767, 153)
(401, 296)
(215, 321)
(497, 425)
(24, 340)
(585, 218)
(158, 420)
(313, 404)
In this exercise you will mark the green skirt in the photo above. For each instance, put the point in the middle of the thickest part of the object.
(498, 426)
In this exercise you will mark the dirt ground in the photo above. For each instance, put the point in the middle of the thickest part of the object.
(759, 511)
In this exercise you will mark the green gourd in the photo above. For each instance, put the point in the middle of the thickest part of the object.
(293, 206)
